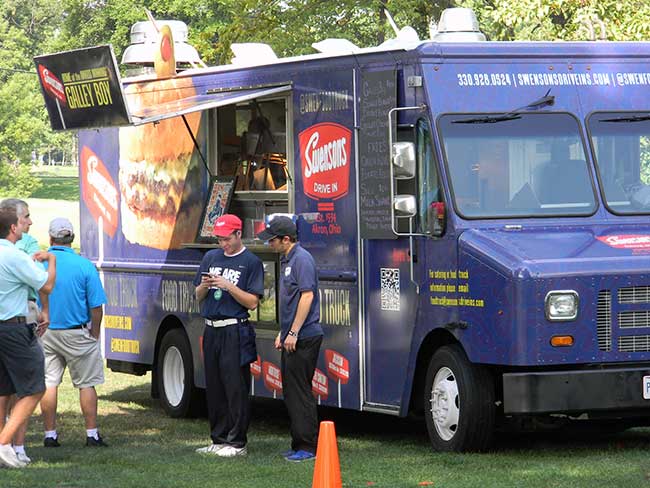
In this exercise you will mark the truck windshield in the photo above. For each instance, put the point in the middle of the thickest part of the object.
(528, 165)
(621, 144)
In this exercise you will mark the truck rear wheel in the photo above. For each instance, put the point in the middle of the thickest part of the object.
(175, 375)
(458, 402)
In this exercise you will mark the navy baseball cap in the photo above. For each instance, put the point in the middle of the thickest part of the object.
(279, 226)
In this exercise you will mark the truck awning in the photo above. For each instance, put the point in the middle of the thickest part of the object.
(201, 102)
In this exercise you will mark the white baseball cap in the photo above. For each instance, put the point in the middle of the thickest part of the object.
(61, 227)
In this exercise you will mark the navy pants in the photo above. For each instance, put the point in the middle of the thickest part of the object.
(227, 386)
(297, 372)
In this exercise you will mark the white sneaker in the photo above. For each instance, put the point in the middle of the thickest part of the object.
(211, 449)
(8, 457)
(23, 457)
(232, 451)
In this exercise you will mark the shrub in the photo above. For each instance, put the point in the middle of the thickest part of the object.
(16, 180)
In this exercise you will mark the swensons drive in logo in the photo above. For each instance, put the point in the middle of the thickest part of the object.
(98, 190)
(631, 241)
(325, 160)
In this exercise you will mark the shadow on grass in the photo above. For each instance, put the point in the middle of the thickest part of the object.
(270, 417)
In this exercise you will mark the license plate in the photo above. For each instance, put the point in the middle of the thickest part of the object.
(646, 387)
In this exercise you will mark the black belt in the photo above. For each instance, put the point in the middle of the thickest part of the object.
(74, 327)
(18, 319)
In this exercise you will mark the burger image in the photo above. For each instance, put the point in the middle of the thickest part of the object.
(159, 176)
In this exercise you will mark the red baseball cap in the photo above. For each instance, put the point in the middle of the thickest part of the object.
(226, 225)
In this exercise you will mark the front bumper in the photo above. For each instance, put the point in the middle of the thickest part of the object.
(575, 391)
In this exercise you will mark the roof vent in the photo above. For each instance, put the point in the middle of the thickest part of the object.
(252, 53)
(144, 39)
(335, 46)
(458, 25)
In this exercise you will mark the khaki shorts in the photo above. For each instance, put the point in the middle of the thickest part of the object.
(78, 350)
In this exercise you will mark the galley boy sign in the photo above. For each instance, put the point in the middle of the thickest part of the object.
(82, 88)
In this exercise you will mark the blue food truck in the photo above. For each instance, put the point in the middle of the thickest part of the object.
(478, 212)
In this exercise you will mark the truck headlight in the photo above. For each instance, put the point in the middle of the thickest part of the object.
(561, 305)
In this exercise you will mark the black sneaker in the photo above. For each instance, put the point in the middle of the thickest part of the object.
(92, 442)
(51, 442)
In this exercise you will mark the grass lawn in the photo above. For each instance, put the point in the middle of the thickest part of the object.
(59, 182)
(44, 210)
(149, 449)
(58, 197)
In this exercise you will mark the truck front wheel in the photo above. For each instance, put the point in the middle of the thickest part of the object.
(175, 375)
(458, 402)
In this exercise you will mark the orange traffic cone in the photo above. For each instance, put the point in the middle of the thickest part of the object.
(327, 472)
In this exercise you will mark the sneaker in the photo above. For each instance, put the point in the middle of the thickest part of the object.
(232, 451)
(211, 449)
(92, 442)
(23, 457)
(288, 453)
(300, 456)
(51, 442)
(8, 457)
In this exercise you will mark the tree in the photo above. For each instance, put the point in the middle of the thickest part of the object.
(562, 19)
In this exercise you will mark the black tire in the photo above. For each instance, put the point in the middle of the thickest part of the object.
(459, 405)
(175, 376)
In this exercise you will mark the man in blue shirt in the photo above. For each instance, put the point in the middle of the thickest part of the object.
(21, 358)
(300, 334)
(229, 283)
(77, 300)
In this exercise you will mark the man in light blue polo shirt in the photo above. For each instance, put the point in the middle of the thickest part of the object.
(21, 358)
(29, 246)
(77, 300)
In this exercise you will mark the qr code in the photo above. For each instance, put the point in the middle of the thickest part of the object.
(390, 289)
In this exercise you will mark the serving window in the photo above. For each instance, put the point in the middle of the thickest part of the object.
(250, 144)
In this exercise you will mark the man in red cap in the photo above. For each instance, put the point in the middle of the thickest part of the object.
(229, 283)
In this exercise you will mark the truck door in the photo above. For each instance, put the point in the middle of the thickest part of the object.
(391, 279)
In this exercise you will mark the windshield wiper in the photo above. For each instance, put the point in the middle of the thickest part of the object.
(488, 119)
(633, 118)
(546, 100)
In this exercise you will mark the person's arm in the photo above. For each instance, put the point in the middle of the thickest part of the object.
(96, 316)
(244, 298)
(42, 256)
(304, 304)
(201, 291)
(44, 314)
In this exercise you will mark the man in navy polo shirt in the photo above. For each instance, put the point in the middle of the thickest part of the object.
(229, 283)
(77, 300)
(300, 334)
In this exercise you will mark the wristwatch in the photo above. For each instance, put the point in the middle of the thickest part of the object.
(292, 334)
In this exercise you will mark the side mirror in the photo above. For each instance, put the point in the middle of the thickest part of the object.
(405, 206)
(403, 157)
(437, 218)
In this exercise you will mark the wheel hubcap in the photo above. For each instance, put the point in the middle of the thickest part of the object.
(445, 406)
(173, 376)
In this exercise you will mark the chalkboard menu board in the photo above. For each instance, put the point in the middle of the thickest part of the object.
(378, 96)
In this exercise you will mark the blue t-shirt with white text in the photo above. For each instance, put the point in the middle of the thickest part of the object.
(243, 269)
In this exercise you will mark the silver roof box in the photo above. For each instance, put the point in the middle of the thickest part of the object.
(458, 25)
(144, 37)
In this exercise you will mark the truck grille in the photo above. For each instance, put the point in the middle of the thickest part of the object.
(604, 320)
(634, 343)
(626, 319)
(634, 294)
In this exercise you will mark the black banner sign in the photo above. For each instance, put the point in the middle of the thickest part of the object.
(378, 96)
(82, 88)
